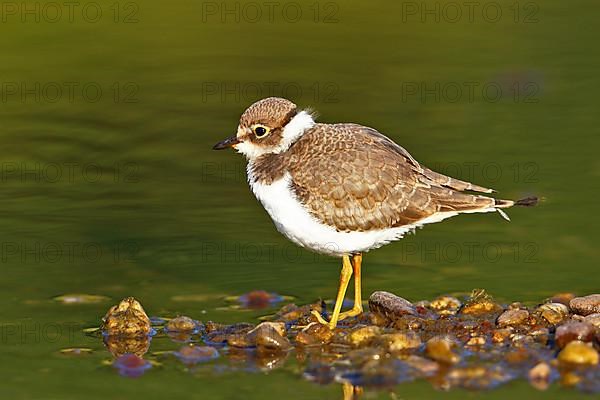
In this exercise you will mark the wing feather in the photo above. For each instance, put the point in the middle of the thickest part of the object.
(366, 181)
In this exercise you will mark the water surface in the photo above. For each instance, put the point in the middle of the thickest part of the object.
(112, 189)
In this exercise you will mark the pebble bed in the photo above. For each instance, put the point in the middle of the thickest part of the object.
(473, 342)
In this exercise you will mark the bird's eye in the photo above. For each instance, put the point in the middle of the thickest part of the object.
(261, 131)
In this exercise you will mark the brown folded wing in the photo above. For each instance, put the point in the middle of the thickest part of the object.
(354, 178)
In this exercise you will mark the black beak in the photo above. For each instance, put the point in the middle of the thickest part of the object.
(229, 142)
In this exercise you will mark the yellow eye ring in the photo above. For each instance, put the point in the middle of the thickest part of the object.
(260, 130)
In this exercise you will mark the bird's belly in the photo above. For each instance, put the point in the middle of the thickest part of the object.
(293, 220)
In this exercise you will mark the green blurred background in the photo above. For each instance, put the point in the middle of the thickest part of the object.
(108, 112)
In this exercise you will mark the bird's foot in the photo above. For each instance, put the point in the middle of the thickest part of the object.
(322, 320)
(356, 310)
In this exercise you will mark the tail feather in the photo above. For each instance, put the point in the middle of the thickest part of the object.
(527, 202)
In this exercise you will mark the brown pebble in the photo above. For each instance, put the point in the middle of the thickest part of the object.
(480, 303)
(269, 339)
(554, 313)
(266, 336)
(515, 305)
(181, 324)
(397, 342)
(440, 348)
(476, 341)
(128, 318)
(279, 327)
(578, 353)
(539, 376)
(501, 335)
(512, 317)
(480, 308)
(563, 298)
(241, 340)
(593, 319)
(378, 319)
(573, 330)
(540, 335)
(586, 305)
(315, 334)
(363, 335)
(445, 305)
(389, 305)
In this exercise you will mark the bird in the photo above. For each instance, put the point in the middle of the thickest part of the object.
(344, 189)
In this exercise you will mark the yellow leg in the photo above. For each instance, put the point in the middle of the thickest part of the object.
(351, 392)
(344, 280)
(357, 309)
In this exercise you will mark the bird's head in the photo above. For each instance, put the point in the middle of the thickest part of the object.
(268, 126)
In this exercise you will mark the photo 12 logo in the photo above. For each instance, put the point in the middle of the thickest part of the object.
(32, 332)
(270, 12)
(248, 92)
(69, 91)
(68, 172)
(470, 92)
(470, 11)
(468, 252)
(75, 252)
(68, 11)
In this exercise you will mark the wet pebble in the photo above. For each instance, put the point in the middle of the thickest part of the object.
(593, 319)
(539, 376)
(182, 324)
(578, 353)
(441, 349)
(502, 335)
(269, 337)
(574, 330)
(128, 318)
(563, 298)
(476, 341)
(446, 305)
(448, 343)
(554, 313)
(586, 305)
(480, 303)
(363, 335)
(390, 306)
(314, 334)
(196, 354)
(512, 318)
(397, 342)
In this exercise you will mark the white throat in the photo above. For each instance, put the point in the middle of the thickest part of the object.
(301, 122)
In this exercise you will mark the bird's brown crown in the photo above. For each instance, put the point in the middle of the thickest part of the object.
(270, 125)
(273, 112)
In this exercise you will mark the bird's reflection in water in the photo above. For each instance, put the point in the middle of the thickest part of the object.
(351, 392)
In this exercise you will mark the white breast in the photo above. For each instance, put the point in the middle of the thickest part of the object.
(294, 221)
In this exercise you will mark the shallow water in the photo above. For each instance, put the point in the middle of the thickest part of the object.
(110, 187)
